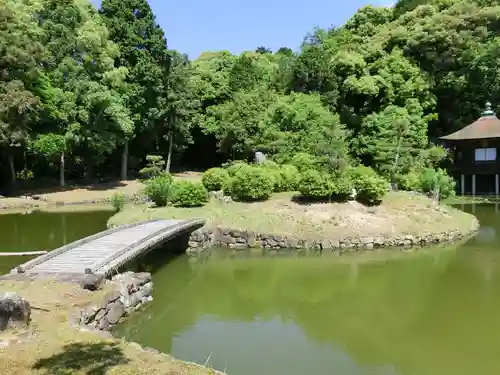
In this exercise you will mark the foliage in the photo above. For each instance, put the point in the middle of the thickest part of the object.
(437, 181)
(214, 178)
(370, 187)
(86, 91)
(304, 161)
(409, 181)
(289, 177)
(188, 193)
(159, 189)
(342, 187)
(118, 201)
(234, 166)
(25, 175)
(315, 185)
(250, 183)
(155, 167)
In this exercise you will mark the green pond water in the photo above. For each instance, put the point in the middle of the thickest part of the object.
(45, 231)
(432, 312)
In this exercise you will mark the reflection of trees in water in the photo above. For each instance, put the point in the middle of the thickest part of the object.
(383, 316)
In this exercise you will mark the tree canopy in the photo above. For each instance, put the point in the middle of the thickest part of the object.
(89, 92)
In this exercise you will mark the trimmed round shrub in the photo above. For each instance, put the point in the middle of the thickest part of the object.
(304, 162)
(370, 187)
(235, 166)
(250, 183)
(342, 188)
(214, 178)
(289, 177)
(158, 189)
(437, 179)
(188, 193)
(315, 185)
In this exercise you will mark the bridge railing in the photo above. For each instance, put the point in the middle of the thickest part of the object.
(136, 248)
(43, 258)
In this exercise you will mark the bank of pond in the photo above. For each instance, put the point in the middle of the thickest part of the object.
(427, 311)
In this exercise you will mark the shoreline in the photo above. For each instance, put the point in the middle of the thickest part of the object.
(85, 322)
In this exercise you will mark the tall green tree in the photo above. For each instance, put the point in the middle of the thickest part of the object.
(143, 52)
(21, 54)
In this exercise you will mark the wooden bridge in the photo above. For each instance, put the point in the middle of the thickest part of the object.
(104, 252)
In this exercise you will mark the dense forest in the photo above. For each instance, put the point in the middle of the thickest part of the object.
(89, 93)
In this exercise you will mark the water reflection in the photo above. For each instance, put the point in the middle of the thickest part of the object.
(433, 312)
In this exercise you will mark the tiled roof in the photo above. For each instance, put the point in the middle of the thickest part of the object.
(487, 126)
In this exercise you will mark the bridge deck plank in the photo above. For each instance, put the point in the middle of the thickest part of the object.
(110, 249)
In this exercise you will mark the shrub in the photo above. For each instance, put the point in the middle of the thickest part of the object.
(289, 178)
(188, 193)
(409, 181)
(158, 189)
(234, 166)
(433, 179)
(214, 179)
(304, 162)
(155, 167)
(118, 201)
(250, 183)
(342, 188)
(370, 187)
(315, 185)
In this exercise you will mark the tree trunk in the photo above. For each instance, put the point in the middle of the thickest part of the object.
(12, 168)
(62, 181)
(169, 155)
(124, 169)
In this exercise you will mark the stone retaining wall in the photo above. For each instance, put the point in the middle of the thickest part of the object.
(130, 292)
(203, 239)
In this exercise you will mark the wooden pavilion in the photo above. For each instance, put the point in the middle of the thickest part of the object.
(475, 149)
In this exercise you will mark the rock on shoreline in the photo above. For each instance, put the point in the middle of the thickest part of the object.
(130, 292)
(203, 239)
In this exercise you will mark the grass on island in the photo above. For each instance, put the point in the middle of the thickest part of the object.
(399, 213)
(52, 347)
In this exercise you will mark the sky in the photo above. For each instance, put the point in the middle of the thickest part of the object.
(196, 26)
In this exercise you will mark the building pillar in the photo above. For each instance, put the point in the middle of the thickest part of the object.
(473, 185)
(462, 184)
(497, 185)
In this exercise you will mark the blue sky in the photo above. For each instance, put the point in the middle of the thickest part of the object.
(195, 26)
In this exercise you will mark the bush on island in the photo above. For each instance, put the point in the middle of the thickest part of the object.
(234, 166)
(315, 185)
(250, 183)
(188, 193)
(432, 180)
(304, 162)
(409, 181)
(370, 187)
(341, 188)
(158, 189)
(289, 178)
(214, 179)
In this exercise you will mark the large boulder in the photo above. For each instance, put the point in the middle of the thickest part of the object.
(14, 311)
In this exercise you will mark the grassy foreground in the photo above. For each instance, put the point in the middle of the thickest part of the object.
(52, 347)
(399, 213)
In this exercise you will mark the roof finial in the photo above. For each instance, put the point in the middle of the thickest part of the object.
(488, 111)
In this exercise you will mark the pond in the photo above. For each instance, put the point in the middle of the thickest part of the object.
(429, 312)
(45, 231)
